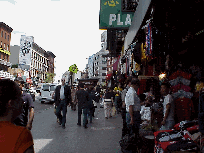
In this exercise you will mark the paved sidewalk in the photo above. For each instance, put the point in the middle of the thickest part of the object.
(102, 136)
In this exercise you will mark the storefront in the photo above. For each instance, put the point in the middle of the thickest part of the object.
(165, 38)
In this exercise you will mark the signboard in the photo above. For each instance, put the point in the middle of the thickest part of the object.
(111, 15)
(73, 68)
(25, 52)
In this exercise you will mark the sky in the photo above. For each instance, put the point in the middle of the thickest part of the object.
(68, 28)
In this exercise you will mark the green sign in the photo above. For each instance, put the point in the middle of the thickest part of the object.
(73, 68)
(111, 15)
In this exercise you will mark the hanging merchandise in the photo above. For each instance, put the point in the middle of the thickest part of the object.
(143, 55)
(149, 41)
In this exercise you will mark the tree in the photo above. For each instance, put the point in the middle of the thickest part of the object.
(49, 77)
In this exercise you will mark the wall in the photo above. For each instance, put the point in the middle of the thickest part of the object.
(14, 57)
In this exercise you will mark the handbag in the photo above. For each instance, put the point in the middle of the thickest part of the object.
(113, 113)
(129, 141)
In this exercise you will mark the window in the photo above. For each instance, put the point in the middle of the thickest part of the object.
(2, 33)
(7, 47)
(103, 74)
(103, 68)
(104, 62)
(5, 35)
(8, 37)
(1, 45)
(4, 46)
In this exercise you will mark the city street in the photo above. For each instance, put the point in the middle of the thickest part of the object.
(101, 136)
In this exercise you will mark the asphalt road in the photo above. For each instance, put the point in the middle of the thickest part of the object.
(38, 107)
(101, 136)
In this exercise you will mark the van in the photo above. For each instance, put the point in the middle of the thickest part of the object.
(46, 92)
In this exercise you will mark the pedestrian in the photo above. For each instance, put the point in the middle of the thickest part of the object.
(123, 109)
(82, 97)
(92, 97)
(62, 100)
(168, 108)
(73, 94)
(98, 91)
(27, 110)
(117, 100)
(13, 138)
(133, 107)
(108, 102)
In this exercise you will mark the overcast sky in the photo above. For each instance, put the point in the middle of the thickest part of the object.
(68, 28)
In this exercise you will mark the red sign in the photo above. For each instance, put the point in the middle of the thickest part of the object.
(29, 80)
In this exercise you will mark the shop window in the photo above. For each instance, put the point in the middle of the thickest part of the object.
(103, 80)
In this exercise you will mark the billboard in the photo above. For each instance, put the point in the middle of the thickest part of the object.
(25, 52)
(111, 15)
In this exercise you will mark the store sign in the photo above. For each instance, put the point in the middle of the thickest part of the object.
(25, 51)
(111, 15)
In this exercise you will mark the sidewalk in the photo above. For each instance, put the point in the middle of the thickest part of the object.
(102, 136)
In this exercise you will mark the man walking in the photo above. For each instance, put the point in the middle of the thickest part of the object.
(133, 107)
(28, 108)
(62, 99)
(82, 97)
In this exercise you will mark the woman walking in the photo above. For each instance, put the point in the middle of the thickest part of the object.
(108, 102)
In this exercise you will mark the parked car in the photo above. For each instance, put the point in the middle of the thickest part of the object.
(46, 93)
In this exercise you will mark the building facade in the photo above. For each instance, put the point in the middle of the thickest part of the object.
(91, 66)
(35, 59)
(14, 57)
(5, 39)
(100, 65)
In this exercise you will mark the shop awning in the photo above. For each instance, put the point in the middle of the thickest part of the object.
(5, 51)
(136, 22)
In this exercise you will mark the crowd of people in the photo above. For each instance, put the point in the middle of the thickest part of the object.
(16, 106)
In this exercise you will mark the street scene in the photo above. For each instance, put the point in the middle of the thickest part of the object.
(101, 76)
(100, 136)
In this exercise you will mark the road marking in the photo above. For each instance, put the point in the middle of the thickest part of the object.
(39, 144)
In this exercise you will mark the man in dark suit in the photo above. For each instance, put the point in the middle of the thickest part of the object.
(82, 97)
(62, 99)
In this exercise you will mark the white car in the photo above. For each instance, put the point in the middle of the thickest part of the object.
(46, 92)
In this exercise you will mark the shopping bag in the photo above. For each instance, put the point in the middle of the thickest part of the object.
(113, 111)
(94, 103)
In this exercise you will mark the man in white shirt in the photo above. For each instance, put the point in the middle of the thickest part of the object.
(168, 108)
(133, 107)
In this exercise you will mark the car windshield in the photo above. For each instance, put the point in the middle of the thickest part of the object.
(52, 88)
(45, 87)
